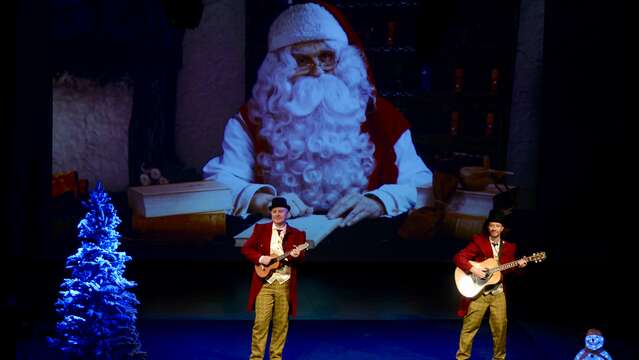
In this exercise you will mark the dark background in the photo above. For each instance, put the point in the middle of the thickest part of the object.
(583, 169)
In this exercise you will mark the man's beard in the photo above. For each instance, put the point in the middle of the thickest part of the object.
(317, 149)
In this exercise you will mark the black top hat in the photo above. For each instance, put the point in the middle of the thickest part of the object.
(279, 202)
(498, 216)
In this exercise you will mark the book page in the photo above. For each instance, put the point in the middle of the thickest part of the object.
(317, 227)
(179, 199)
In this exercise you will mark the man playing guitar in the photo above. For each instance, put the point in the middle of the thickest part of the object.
(482, 246)
(273, 297)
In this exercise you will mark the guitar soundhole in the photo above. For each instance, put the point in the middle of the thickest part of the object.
(478, 280)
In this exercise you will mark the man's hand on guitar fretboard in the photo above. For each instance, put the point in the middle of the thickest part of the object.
(295, 252)
(522, 262)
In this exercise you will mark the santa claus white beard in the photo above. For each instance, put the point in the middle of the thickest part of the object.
(318, 150)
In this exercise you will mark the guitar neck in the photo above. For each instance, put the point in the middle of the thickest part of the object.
(509, 265)
(281, 257)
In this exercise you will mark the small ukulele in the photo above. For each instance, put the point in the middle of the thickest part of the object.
(266, 270)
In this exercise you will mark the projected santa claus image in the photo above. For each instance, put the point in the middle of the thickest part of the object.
(316, 132)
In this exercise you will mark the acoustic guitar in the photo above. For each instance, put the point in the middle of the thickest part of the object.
(469, 285)
(266, 270)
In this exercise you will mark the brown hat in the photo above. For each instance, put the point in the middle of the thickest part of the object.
(594, 332)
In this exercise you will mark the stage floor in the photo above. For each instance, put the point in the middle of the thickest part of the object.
(196, 310)
(343, 339)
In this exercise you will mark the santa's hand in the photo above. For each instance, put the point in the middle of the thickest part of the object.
(260, 202)
(360, 206)
(343, 205)
(298, 208)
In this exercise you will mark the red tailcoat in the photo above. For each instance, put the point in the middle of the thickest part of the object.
(478, 250)
(260, 244)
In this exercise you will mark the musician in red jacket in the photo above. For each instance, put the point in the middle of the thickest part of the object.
(488, 244)
(275, 296)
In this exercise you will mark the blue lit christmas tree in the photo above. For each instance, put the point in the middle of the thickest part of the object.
(98, 312)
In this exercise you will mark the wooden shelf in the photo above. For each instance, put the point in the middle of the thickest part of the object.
(404, 4)
(442, 95)
(390, 50)
(445, 139)
(448, 94)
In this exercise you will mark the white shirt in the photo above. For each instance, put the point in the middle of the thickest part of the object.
(277, 248)
(495, 247)
(235, 169)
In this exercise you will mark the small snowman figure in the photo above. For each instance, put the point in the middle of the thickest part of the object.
(594, 347)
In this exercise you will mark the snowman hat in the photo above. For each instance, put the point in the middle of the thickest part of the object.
(594, 332)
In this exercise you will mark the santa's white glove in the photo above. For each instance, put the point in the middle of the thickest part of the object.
(298, 208)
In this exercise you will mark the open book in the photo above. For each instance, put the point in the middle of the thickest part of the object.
(317, 227)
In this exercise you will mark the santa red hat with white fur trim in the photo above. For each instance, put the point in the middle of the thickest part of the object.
(304, 22)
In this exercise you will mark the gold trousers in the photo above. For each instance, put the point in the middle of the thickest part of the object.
(271, 305)
(496, 305)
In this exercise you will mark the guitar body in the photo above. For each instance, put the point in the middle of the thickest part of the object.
(265, 271)
(470, 285)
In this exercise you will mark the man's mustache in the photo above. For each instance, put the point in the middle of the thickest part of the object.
(309, 92)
